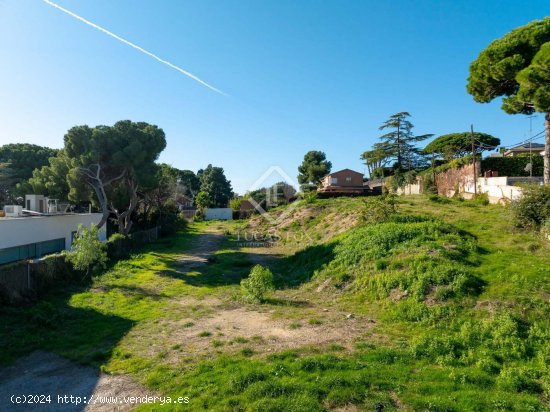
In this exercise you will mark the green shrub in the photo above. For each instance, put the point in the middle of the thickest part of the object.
(380, 209)
(118, 247)
(519, 380)
(87, 252)
(428, 184)
(309, 197)
(532, 210)
(481, 199)
(439, 199)
(258, 283)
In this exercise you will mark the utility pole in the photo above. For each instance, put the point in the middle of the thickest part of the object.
(433, 168)
(474, 158)
(531, 145)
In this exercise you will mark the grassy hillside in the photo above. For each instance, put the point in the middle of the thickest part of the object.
(441, 306)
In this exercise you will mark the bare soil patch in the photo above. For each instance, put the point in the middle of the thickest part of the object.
(235, 328)
(204, 246)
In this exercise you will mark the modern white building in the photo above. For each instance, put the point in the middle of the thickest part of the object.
(24, 236)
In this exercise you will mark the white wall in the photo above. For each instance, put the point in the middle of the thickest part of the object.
(225, 213)
(410, 189)
(26, 230)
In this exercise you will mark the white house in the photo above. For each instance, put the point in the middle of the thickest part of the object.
(28, 237)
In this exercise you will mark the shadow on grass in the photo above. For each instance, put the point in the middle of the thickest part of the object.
(300, 267)
(52, 324)
(222, 269)
(230, 267)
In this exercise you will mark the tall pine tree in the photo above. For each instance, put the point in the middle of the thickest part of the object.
(399, 142)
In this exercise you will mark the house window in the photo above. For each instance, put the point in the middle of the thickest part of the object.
(28, 204)
(333, 180)
(348, 178)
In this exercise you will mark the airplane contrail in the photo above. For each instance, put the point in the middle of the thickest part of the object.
(135, 46)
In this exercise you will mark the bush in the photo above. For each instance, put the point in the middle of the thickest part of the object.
(481, 199)
(428, 184)
(438, 199)
(87, 252)
(533, 209)
(118, 247)
(258, 283)
(380, 208)
(309, 197)
(51, 269)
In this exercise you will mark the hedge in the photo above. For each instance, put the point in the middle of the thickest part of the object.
(513, 166)
(42, 274)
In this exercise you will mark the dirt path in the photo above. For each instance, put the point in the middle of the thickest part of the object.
(42, 373)
(204, 245)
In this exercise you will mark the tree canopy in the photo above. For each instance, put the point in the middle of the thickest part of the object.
(216, 186)
(189, 182)
(313, 168)
(516, 67)
(375, 160)
(115, 161)
(23, 158)
(494, 72)
(51, 179)
(454, 145)
(399, 143)
(17, 162)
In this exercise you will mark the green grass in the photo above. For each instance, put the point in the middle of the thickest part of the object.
(458, 295)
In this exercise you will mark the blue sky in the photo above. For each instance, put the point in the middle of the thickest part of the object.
(299, 75)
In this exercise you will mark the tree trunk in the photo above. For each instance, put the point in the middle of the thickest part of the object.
(399, 144)
(102, 199)
(546, 173)
(124, 219)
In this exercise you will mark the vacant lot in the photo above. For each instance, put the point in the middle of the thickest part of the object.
(443, 308)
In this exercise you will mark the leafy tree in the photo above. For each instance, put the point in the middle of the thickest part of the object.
(115, 161)
(23, 158)
(216, 186)
(399, 142)
(51, 179)
(7, 183)
(375, 159)
(17, 162)
(161, 193)
(87, 251)
(454, 145)
(235, 203)
(202, 201)
(189, 182)
(280, 193)
(516, 67)
(313, 168)
(277, 194)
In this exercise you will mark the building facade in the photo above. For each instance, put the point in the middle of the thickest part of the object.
(31, 237)
(343, 182)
